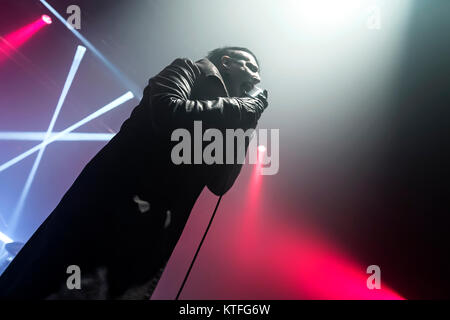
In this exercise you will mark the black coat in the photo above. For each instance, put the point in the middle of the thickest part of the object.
(98, 225)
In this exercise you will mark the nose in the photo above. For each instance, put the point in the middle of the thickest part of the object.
(256, 79)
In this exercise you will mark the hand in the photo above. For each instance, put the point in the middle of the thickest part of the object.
(263, 98)
(252, 108)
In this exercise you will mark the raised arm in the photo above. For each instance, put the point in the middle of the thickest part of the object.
(172, 107)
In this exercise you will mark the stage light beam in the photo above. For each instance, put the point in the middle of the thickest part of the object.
(40, 136)
(73, 70)
(46, 19)
(4, 238)
(14, 40)
(137, 91)
(113, 104)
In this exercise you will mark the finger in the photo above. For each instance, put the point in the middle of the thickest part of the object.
(261, 96)
(263, 99)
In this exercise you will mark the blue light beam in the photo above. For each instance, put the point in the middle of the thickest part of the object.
(126, 82)
(40, 136)
(4, 238)
(122, 99)
(23, 196)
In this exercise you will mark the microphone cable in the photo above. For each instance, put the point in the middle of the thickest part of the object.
(198, 249)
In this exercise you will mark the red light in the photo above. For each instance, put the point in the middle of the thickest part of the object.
(10, 43)
(46, 19)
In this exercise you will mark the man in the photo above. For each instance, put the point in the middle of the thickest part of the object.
(121, 219)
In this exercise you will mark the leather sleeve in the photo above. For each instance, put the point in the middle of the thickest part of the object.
(226, 174)
(172, 107)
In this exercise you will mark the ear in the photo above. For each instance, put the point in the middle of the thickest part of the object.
(225, 61)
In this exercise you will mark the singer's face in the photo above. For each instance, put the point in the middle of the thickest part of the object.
(241, 73)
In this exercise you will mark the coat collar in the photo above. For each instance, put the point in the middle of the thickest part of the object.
(210, 70)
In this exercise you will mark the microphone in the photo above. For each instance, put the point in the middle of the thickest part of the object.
(253, 93)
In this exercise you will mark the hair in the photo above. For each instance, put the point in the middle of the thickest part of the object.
(215, 55)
